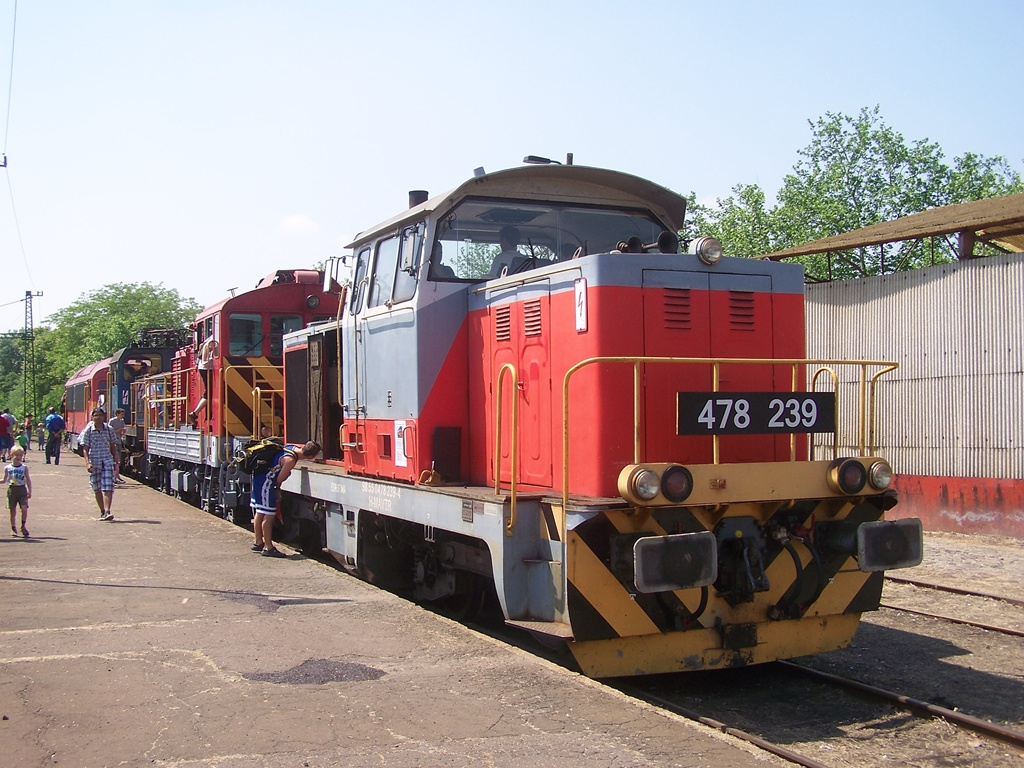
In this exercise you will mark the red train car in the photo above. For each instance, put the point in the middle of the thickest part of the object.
(85, 390)
(225, 387)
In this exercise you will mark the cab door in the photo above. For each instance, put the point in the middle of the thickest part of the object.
(521, 338)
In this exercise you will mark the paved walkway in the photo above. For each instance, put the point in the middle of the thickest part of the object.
(161, 640)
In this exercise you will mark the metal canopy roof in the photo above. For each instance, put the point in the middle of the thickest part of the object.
(997, 220)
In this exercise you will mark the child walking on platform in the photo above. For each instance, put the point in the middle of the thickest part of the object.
(20, 490)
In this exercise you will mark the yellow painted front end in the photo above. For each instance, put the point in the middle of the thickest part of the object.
(619, 631)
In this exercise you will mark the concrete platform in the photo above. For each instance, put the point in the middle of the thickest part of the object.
(161, 640)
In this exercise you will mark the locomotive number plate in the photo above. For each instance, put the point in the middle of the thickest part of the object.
(738, 413)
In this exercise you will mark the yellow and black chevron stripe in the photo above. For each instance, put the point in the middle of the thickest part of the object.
(241, 375)
(619, 631)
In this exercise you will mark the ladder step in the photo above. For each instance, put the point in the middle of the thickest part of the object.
(551, 628)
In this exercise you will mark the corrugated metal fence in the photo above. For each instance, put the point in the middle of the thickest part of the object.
(955, 406)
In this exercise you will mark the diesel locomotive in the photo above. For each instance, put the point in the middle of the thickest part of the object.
(525, 388)
(531, 388)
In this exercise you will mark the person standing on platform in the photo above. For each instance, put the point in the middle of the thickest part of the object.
(117, 424)
(6, 438)
(20, 490)
(40, 436)
(55, 427)
(264, 499)
(99, 446)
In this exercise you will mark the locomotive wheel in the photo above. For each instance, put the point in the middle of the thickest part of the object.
(241, 516)
(310, 541)
(468, 600)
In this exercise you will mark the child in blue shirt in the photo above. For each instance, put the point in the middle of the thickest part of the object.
(20, 490)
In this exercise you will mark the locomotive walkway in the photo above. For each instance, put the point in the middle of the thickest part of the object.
(161, 640)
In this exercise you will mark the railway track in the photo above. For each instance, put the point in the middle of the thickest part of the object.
(768, 746)
(954, 590)
(915, 707)
(955, 619)
(924, 708)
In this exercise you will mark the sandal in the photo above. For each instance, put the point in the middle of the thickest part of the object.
(24, 531)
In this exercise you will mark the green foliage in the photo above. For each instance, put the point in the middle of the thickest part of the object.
(856, 171)
(474, 259)
(94, 327)
(11, 384)
(741, 223)
(105, 320)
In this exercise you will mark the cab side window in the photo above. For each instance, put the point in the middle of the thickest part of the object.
(408, 266)
(359, 281)
(279, 326)
(246, 334)
(384, 271)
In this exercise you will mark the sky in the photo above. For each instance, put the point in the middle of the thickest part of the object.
(200, 145)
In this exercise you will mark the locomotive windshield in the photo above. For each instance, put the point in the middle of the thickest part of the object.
(480, 237)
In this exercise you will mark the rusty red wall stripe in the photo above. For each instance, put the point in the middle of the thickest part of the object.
(962, 504)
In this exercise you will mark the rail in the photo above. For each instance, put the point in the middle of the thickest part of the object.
(161, 398)
(167, 394)
(866, 391)
(258, 402)
(509, 369)
(234, 378)
(866, 397)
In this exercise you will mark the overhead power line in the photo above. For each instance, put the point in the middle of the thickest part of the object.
(10, 83)
(3, 158)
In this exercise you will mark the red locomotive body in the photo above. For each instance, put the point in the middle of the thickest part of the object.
(85, 390)
(529, 384)
(226, 387)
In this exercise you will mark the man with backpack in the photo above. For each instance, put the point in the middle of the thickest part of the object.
(266, 482)
(55, 427)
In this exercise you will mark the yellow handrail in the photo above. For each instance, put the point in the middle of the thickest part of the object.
(257, 408)
(716, 363)
(835, 414)
(514, 443)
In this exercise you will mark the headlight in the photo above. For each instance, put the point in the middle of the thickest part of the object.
(707, 249)
(676, 483)
(645, 484)
(880, 475)
(847, 476)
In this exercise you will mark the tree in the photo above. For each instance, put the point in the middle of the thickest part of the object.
(105, 320)
(11, 384)
(741, 222)
(856, 171)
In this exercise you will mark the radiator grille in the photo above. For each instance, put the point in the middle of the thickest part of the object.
(531, 318)
(677, 309)
(503, 323)
(741, 310)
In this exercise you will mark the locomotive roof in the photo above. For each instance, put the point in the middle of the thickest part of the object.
(86, 373)
(266, 282)
(552, 183)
